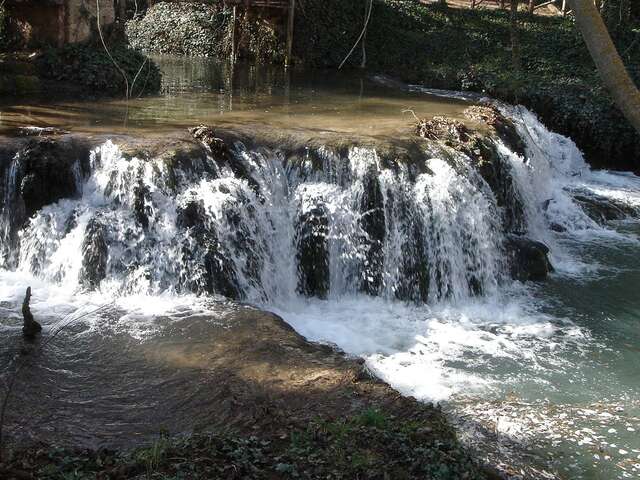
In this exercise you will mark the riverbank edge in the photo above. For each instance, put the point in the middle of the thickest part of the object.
(287, 408)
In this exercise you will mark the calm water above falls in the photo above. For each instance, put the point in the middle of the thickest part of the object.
(552, 367)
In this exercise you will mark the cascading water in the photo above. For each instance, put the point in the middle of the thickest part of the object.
(405, 261)
(321, 225)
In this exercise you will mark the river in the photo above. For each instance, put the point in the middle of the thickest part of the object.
(547, 371)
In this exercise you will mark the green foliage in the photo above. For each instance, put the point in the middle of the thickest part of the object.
(88, 66)
(195, 29)
(262, 41)
(463, 49)
(371, 445)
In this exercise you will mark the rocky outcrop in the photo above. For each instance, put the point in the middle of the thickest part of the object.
(528, 259)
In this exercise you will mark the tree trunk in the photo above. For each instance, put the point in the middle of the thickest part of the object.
(608, 62)
(532, 6)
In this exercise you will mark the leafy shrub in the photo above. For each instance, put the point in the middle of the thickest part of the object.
(195, 29)
(89, 66)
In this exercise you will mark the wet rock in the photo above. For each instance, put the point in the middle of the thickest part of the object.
(48, 171)
(412, 283)
(445, 129)
(141, 204)
(602, 209)
(40, 131)
(208, 267)
(95, 254)
(312, 229)
(191, 214)
(528, 259)
(222, 154)
(498, 174)
(30, 328)
(372, 223)
(221, 278)
(504, 127)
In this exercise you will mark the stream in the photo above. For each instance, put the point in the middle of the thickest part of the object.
(398, 259)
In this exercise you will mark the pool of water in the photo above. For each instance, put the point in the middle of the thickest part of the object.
(202, 91)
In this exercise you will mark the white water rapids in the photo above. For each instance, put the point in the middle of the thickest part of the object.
(402, 264)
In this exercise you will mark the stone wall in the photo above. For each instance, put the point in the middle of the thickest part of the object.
(56, 22)
(81, 18)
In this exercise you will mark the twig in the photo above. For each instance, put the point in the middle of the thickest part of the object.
(364, 30)
(408, 110)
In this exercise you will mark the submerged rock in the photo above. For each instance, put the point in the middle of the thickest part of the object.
(528, 259)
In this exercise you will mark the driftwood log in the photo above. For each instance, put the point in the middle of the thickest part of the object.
(30, 328)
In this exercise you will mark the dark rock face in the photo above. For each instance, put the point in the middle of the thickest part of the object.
(212, 272)
(47, 171)
(372, 223)
(142, 200)
(412, 283)
(528, 259)
(35, 172)
(312, 229)
(498, 175)
(95, 254)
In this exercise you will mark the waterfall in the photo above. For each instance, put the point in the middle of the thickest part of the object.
(266, 225)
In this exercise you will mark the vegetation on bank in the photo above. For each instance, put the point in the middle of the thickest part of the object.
(464, 49)
(206, 30)
(370, 445)
(89, 67)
